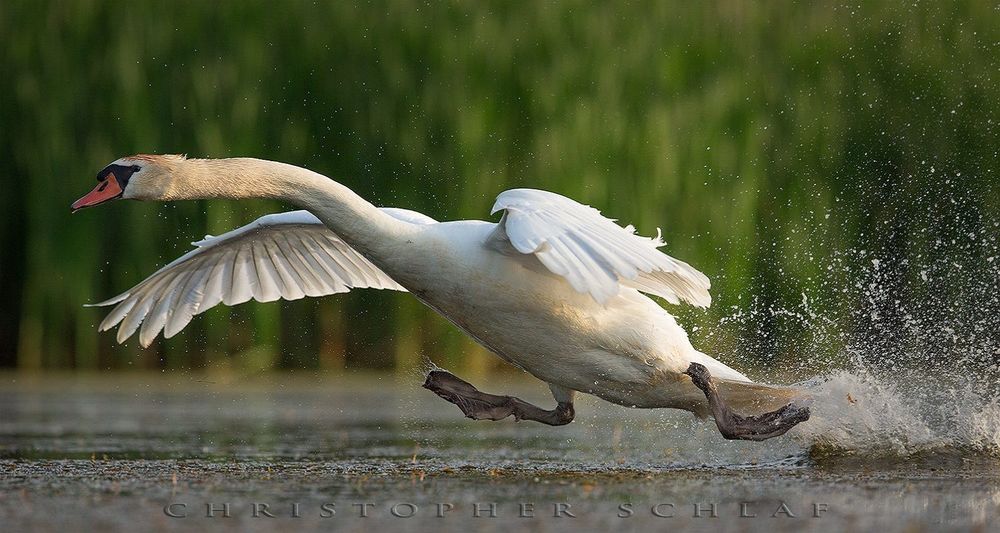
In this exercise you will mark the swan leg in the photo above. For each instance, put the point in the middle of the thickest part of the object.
(479, 405)
(734, 426)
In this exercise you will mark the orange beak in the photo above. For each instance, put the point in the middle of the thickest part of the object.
(105, 191)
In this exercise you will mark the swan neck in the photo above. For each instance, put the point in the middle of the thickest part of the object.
(353, 218)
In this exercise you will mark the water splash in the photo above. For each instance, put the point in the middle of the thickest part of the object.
(901, 331)
(858, 413)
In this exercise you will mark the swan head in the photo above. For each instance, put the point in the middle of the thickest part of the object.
(138, 177)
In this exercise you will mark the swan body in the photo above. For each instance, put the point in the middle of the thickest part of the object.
(554, 287)
(621, 351)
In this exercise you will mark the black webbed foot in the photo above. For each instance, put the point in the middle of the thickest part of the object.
(479, 405)
(734, 426)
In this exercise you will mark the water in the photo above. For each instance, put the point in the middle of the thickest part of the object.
(918, 413)
(113, 451)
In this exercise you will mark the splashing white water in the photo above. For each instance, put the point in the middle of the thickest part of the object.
(903, 334)
(858, 413)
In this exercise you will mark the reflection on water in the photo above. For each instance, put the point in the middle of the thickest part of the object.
(116, 450)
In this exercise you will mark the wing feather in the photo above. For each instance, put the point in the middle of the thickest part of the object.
(302, 266)
(242, 279)
(217, 280)
(267, 287)
(189, 298)
(145, 300)
(593, 253)
(282, 256)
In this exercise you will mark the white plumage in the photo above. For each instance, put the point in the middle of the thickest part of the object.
(593, 253)
(282, 256)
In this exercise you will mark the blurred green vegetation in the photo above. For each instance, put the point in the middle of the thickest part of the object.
(763, 137)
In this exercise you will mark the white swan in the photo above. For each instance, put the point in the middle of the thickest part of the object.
(554, 287)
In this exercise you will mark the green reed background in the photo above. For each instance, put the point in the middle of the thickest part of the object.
(764, 138)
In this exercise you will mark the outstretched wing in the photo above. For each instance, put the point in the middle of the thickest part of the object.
(285, 255)
(593, 253)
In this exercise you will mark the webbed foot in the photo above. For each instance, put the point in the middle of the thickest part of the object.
(479, 405)
(734, 426)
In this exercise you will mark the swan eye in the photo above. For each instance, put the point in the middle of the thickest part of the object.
(121, 173)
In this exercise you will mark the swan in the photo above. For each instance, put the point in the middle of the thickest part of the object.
(554, 287)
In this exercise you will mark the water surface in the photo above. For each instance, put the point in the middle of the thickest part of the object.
(115, 451)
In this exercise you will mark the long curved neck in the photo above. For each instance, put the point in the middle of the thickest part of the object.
(364, 226)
